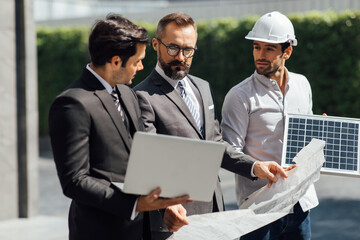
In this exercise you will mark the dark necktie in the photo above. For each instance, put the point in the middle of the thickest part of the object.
(189, 103)
(117, 104)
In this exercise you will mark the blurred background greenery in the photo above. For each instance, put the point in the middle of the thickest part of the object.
(327, 54)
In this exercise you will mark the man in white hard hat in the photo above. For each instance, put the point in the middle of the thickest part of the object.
(253, 117)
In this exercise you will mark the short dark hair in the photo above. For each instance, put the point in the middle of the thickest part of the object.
(284, 46)
(179, 18)
(115, 36)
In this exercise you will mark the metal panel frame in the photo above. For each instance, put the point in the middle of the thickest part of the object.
(303, 141)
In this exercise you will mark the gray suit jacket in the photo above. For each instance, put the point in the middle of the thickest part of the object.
(91, 146)
(165, 112)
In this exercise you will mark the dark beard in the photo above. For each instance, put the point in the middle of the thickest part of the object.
(176, 74)
(267, 71)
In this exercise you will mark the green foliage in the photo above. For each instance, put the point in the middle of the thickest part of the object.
(329, 57)
(150, 59)
(62, 53)
(327, 54)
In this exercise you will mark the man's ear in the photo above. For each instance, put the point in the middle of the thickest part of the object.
(116, 61)
(155, 43)
(288, 52)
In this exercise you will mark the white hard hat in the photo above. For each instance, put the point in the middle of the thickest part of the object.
(273, 27)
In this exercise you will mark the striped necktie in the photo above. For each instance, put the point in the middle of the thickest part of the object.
(189, 103)
(117, 104)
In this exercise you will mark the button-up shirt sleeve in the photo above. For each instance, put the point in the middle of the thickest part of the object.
(235, 119)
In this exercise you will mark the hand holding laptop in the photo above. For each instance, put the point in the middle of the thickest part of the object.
(152, 201)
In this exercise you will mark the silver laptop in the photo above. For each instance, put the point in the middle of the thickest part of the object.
(175, 164)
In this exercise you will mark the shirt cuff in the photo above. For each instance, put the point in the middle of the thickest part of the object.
(134, 213)
(252, 170)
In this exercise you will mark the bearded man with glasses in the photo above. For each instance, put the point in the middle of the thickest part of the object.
(173, 102)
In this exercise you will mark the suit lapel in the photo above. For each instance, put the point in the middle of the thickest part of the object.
(108, 104)
(99, 90)
(127, 105)
(174, 96)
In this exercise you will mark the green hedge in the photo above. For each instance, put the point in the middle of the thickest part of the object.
(327, 54)
(62, 53)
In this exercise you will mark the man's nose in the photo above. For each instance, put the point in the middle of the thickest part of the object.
(180, 56)
(262, 54)
(140, 66)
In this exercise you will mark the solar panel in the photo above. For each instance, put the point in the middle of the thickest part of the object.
(340, 134)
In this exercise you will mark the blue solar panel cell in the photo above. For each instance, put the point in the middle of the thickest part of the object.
(340, 134)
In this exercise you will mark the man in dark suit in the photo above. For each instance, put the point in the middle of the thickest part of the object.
(164, 98)
(91, 127)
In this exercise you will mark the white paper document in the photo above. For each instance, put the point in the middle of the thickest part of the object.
(263, 206)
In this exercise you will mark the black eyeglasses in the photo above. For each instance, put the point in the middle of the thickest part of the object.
(173, 51)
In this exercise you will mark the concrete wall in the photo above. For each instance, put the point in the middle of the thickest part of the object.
(9, 167)
(8, 135)
(32, 122)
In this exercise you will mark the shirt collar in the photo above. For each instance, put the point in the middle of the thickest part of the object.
(101, 80)
(172, 82)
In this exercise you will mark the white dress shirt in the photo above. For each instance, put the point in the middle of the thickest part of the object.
(253, 121)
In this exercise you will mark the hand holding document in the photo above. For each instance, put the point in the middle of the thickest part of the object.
(263, 206)
(287, 192)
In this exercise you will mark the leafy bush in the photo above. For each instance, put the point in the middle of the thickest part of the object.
(327, 54)
(62, 53)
